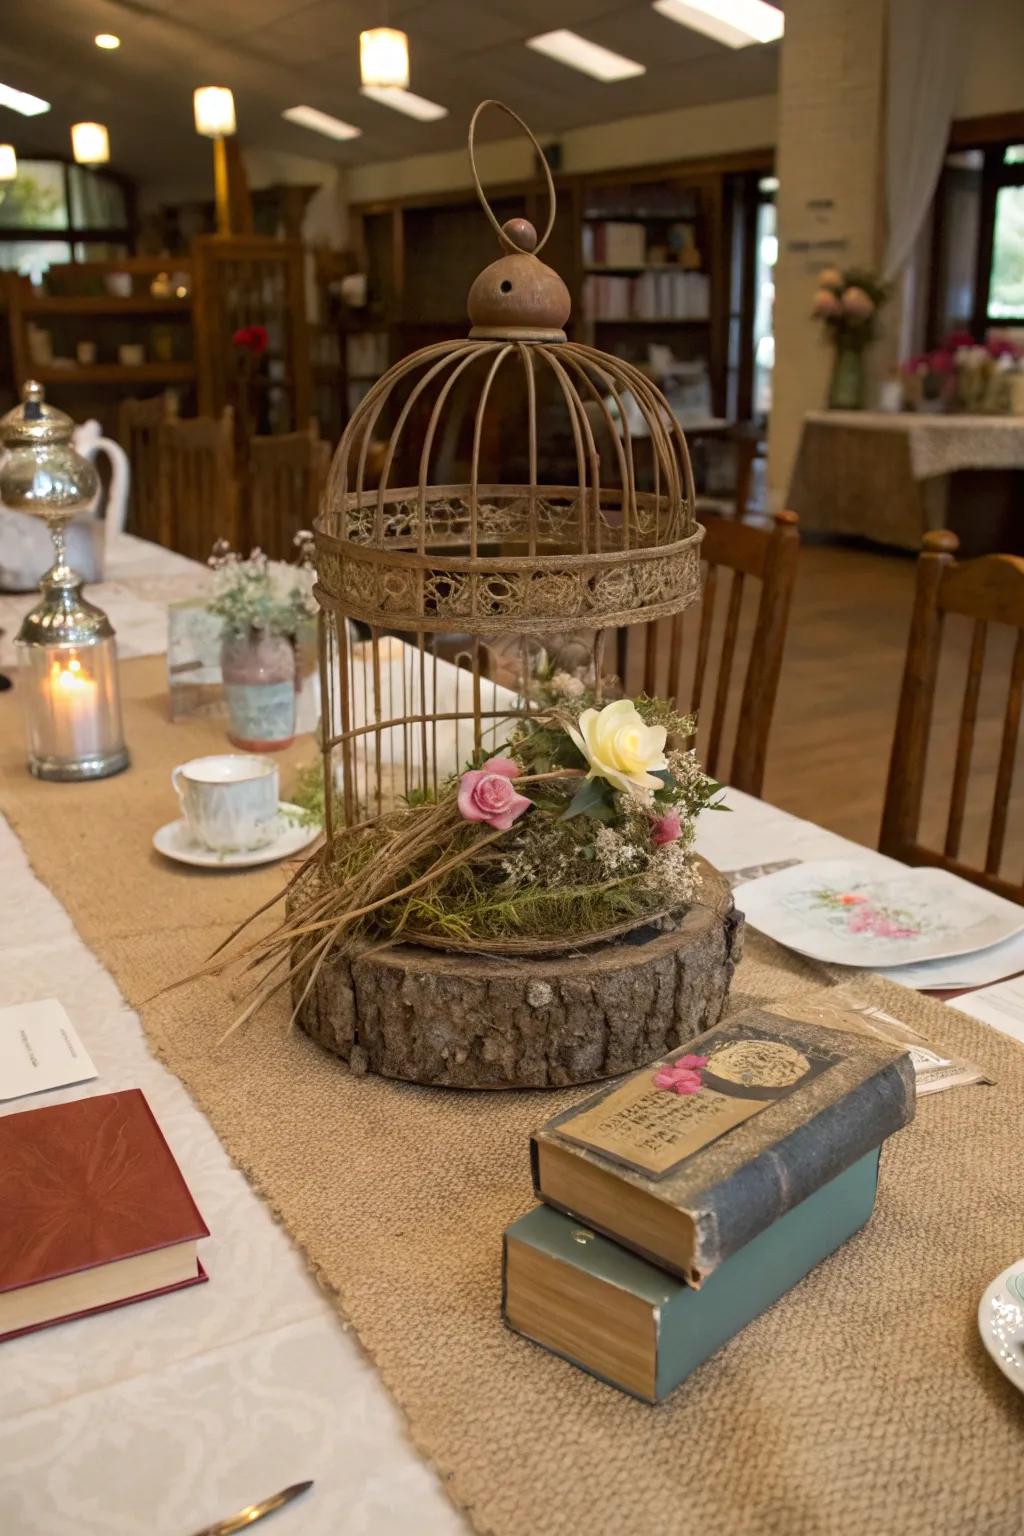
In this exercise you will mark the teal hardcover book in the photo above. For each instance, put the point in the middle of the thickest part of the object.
(633, 1325)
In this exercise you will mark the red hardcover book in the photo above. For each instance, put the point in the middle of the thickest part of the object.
(94, 1212)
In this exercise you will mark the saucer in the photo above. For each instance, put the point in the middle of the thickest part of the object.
(1001, 1322)
(175, 841)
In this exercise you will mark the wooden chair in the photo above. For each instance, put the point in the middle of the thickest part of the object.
(198, 502)
(989, 591)
(760, 550)
(137, 424)
(286, 477)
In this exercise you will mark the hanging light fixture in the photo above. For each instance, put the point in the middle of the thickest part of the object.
(8, 163)
(214, 108)
(384, 58)
(90, 143)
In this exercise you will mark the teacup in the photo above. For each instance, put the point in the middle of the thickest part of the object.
(229, 801)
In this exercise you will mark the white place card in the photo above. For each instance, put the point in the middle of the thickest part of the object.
(40, 1049)
(1002, 1006)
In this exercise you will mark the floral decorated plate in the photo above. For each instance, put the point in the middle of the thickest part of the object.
(175, 841)
(850, 912)
(1001, 1322)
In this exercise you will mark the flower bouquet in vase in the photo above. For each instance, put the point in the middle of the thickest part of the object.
(263, 604)
(847, 304)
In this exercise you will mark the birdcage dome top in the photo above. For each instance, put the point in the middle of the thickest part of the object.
(511, 480)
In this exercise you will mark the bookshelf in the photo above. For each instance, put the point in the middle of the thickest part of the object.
(100, 307)
(657, 291)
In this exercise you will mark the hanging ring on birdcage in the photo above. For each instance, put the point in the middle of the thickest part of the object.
(507, 243)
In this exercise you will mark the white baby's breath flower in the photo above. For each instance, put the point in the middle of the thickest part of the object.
(567, 686)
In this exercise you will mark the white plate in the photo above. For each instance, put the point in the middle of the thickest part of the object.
(176, 842)
(1001, 1322)
(847, 912)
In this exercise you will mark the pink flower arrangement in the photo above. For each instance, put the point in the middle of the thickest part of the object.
(486, 794)
(666, 829)
(858, 304)
(825, 304)
(847, 304)
(681, 1076)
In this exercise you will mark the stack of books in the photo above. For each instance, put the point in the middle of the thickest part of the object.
(683, 1201)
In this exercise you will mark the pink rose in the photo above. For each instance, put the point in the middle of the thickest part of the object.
(858, 304)
(825, 304)
(830, 277)
(666, 829)
(486, 794)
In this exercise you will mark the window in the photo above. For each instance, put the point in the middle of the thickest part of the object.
(55, 213)
(1006, 286)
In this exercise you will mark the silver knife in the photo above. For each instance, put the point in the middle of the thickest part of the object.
(253, 1512)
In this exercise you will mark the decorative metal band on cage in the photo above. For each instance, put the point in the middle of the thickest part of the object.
(512, 483)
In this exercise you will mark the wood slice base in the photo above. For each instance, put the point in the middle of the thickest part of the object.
(460, 1021)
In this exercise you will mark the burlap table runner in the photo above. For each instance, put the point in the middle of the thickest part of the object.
(862, 1402)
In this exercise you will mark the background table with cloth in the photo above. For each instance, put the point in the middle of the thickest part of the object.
(892, 477)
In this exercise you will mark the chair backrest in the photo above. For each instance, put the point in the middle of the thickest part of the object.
(735, 552)
(286, 477)
(988, 592)
(137, 424)
(198, 504)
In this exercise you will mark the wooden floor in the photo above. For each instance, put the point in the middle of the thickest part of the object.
(837, 704)
(836, 710)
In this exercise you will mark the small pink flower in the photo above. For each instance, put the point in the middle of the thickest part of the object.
(858, 304)
(486, 794)
(830, 277)
(681, 1076)
(825, 304)
(666, 829)
(850, 900)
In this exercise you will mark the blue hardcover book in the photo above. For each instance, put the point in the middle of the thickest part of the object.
(639, 1328)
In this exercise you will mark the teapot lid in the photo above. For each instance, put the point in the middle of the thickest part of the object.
(33, 421)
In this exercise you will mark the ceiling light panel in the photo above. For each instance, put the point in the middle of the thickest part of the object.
(736, 23)
(21, 101)
(321, 122)
(579, 53)
(405, 101)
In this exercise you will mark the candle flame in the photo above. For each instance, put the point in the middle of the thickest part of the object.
(70, 679)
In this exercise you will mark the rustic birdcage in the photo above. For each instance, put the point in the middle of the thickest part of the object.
(420, 570)
(495, 506)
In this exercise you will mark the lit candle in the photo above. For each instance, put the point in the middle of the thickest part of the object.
(74, 711)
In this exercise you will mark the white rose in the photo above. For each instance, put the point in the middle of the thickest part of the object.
(619, 747)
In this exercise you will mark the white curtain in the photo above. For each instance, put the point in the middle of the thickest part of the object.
(927, 47)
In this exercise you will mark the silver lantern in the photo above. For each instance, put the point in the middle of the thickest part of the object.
(67, 654)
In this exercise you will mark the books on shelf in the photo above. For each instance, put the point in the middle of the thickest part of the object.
(615, 243)
(94, 1212)
(660, 295)
(675, 1215)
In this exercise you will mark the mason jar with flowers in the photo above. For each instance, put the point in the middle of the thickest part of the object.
(263, 605)
(847, 304)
